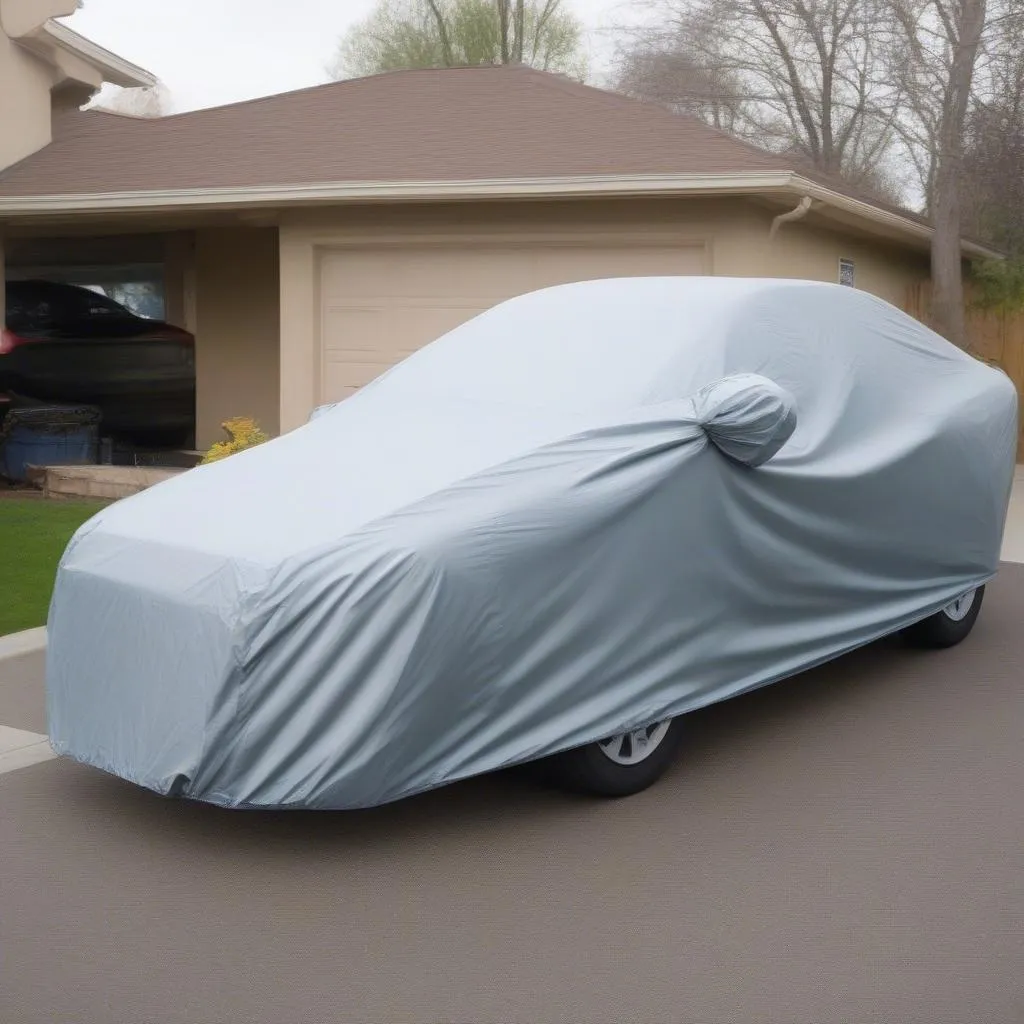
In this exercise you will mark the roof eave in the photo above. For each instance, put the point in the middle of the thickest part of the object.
(114, 69)
(389, 191)
(561, 187)
(884, 218)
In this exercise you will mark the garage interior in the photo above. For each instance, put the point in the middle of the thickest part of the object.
(137, 271)
(219, 282)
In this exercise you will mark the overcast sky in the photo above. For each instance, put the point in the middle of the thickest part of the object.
(209, 52)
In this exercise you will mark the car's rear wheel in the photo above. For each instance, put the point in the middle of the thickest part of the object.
(620, 765)
(948, 626)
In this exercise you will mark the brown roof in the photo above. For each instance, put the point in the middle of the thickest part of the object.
(459, 124)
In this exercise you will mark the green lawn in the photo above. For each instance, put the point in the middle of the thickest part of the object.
(33, 535)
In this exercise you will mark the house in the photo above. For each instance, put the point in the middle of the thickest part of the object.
(311, 239)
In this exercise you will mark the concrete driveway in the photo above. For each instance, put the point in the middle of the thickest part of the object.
(846, 846)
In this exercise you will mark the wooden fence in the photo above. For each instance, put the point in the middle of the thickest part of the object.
(997, 338)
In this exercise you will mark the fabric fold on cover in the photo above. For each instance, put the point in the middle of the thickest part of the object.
(748, 417)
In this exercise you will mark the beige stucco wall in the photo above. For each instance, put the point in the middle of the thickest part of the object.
(20, 16)
(812, 252)
(236, 326)
(736, 234)
(25, 83)
(35, 75)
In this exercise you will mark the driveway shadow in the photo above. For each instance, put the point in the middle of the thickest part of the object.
(475, 806)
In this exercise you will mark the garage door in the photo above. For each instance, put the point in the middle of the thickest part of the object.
(379, 305)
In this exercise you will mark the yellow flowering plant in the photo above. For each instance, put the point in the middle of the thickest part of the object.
(243, 432)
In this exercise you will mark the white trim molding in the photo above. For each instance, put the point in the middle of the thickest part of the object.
(391, 191)
(888, 218)
(114, 69)
(567, 187)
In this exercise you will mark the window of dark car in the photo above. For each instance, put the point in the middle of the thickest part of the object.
(36, 304)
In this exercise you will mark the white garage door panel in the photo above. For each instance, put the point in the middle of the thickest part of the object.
(369, 341)
(380, 305)
(563, 266)
(425, 273)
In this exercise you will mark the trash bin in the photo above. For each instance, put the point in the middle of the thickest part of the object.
(48, 435)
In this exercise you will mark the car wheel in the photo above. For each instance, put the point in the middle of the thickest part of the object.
(621, 765)
(950, 625)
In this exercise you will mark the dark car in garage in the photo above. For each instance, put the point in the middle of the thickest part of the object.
(66, 344)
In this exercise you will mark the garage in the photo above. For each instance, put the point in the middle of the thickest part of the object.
(305, 268)
(379, 304)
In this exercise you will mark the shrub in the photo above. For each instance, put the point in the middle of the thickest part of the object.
(243, 432)
(998, 285)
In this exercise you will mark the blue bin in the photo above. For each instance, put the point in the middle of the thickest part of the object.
(48, 435)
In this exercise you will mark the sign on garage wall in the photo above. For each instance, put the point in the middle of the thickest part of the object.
(846, 272)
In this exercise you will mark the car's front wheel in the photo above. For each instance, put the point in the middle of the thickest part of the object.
(948, 626)
(620, 765)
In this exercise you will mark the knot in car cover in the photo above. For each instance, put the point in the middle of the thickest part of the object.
(747, 416)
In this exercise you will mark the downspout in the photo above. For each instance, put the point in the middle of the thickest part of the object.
(797, 213)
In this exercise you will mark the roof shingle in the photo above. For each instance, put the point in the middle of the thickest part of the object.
(460, 124)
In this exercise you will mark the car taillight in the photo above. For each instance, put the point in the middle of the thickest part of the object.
(8, 341)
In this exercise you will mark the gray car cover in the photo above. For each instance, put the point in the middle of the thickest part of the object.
(587, 509)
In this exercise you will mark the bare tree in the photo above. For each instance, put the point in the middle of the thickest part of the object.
(800, 76)
(962, 23)
(402, 34)
(512, 19)
(859, 88)
(993, 175)
(935, 49)
(993, 169)
(676, 69)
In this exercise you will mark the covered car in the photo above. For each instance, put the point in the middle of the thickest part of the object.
(547, 535)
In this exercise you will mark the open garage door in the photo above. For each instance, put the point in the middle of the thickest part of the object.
(84, 321)
(380, 304)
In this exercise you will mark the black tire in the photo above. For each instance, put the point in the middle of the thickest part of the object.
(940, 630)
(592, 771)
